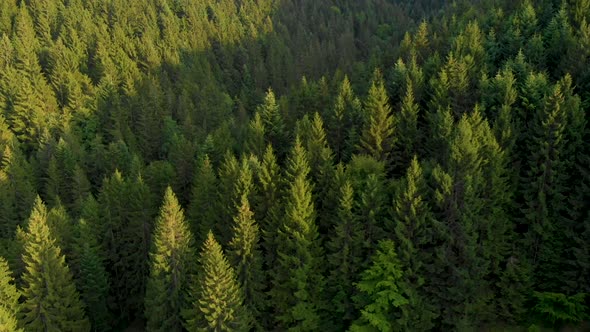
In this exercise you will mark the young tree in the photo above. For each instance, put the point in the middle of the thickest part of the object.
(172, 268)
(51, 301)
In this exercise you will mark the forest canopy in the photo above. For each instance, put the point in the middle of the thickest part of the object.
(273, 165)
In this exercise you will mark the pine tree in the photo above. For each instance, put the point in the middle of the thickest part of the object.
(296, 276)
(92, 278)
(219, 299)
(245, 256)
(171, 268)
(51, 301)
(9, 299)
(377, 138)
(344, 260)
(382, 292)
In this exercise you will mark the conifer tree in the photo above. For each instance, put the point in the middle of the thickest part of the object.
(346, 113)
(171, 268)
(51, 301)
(296, 276)
(543, 188)
(377, 138)
(272, 119)
(412, 223)
(408, 134)
(247, 260)
(344, 256)
(321, 162)
(382, 292)
(202, 211)
(218, 303)
(9, 299)
(92, 278)
(267, 206)
(255, 136)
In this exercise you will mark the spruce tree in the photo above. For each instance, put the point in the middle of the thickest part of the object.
(382, 296)
(296, 275)
(544, 192)
(92, 278)
(218, 299)
(171, 268)
(377, 139)
(255, 136)
(408, 134)
(51, 301)
(344, 255)
(202, 210)
(9, 299)
(245, 256)
(274, 125)
(412, 224)
(268, 207)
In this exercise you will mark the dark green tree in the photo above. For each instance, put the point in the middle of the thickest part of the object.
(92, 278)
(413, 224)
(344, 255)
(202, 210)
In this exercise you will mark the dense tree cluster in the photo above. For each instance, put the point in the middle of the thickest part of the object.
(226, 165)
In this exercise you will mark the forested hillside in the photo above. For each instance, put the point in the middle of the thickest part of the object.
(305, 165)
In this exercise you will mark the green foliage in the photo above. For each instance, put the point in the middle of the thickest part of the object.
(218, 303)
(381, 291)
(106, 104)
(9, 299)
(296, 276)
(171, 268)
(556, 309)
(202, 209)
(377, 138)
(247, 259)
(344, 255)
(92, 279)
(51, 301)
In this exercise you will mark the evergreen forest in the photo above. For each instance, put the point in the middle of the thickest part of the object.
(294, 165)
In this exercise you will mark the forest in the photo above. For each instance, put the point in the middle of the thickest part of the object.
(294, 165)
